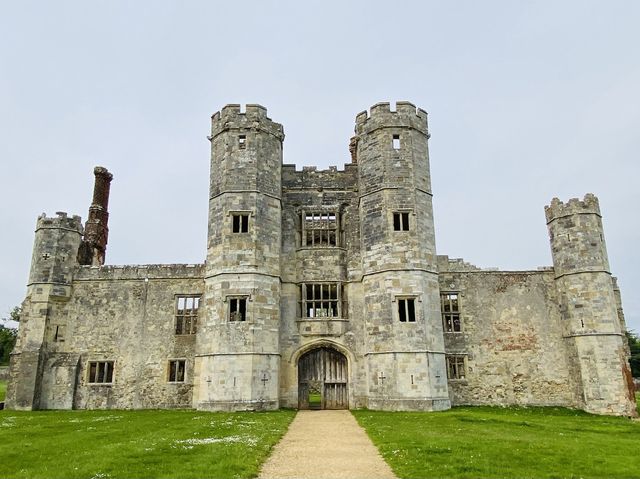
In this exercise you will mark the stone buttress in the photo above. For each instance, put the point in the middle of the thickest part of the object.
(237, 349)
(589, 307)
(404, 346)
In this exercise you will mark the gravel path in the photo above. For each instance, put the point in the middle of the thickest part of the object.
(323, 445)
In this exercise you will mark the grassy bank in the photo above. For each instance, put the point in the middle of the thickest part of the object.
(3, 390)
(162, 444)
(470, 442)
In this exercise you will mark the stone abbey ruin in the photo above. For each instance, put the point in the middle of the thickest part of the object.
(320, 289)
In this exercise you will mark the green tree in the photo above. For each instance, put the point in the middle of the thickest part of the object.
(8, 335)
(634, 359)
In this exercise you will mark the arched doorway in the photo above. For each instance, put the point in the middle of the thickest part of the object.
(322, 380)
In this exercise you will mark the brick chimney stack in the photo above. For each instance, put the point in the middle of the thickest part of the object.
(96, 231)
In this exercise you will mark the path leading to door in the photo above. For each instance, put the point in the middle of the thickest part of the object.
(322, 445)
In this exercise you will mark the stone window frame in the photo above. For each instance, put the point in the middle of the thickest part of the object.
(401, 219)
(316, 304)
(229, 301)
(395, 141)
(189, 317)
(449, 317)
(59, 333)
(94, 377)
(324, 226)
(177, 362)
(232, 214)
(402, 301)
(456, 365)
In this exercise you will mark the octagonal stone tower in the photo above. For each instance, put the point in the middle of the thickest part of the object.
(404, 339)
(592, 329)
(237, 349)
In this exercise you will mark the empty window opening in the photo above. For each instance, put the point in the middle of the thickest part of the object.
(240, 223)
(177, 370)
(323, 300)
(238, 309)
(450, 307)
(407, 310)
(396, 142)
(242, 141)
(187, 314)
(455, 367)
(59, 334)
(401, 221)
(100, 372)
(319, 229)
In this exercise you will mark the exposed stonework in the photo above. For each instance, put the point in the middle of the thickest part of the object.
(335, 270)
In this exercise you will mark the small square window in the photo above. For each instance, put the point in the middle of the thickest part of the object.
(407, 310)
(401, 221)
(396, 142)
(456, 367)
(100, 372)
(177, 369)
(238, 308)
(240, 223)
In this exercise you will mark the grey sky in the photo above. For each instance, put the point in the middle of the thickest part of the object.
(527, 100)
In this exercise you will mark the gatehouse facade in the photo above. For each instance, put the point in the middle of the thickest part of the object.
(320, 289)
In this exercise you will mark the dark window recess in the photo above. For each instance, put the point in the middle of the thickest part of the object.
(396, 142)
(407, 310)
(59, 334)
(401, 221)
(187, 314)
(100, 372)
(242, 141)
(320, 300)
(176, 370)
(240, 223)
(455, 367)
(450, 307)
(237, 309)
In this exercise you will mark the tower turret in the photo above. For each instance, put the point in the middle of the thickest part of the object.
(237, 364)
(54, 257)
(589, 307)
(404, 339)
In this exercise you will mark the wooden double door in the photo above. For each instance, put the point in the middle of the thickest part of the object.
(322, 380)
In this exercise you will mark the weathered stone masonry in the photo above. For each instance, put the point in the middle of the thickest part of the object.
(320, 289)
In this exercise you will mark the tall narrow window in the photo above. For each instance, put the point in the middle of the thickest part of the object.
(319, 229)
(455, 367)
(401, 221)
(396, 142)
(407, 310)
(177, 370)
(240, 223)
(242, 141)
(187, 314)
(450, 307)
(100, 372)
(321, 300)
(238, 308)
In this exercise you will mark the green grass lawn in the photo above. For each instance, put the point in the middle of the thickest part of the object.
(3, 390)
(484, 442)
(136, 444)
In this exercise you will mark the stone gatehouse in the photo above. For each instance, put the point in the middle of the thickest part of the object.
(319, 289)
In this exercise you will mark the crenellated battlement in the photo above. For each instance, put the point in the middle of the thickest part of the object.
(254, 117)
(574, 206)
(311, 177)
(62, 220)
(406, 115)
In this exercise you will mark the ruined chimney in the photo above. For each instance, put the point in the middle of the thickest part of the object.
(96, 231)
(353, 149)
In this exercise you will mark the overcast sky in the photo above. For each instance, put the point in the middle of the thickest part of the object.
(527, 100)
